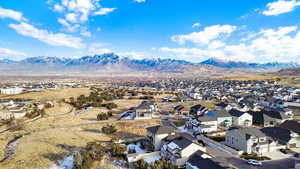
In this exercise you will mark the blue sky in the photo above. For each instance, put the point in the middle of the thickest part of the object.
(194, 30)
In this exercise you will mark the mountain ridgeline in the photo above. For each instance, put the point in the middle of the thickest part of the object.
(111, 62)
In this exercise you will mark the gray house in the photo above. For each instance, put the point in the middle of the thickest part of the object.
(283, 136)
(269, 118)
(249, 140)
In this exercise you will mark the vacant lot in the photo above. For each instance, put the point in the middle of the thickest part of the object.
(63, 128)
(51, 94)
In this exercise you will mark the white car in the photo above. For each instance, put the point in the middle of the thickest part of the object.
(254, 162)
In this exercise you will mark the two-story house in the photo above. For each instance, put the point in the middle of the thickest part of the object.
(284, 136)
(240, 118)
(179, 148)
(269, 118)
(249, 140)
(146, 110)
(156, 134)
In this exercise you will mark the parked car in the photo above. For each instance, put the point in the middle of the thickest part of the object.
(254, 162)
(296, 155)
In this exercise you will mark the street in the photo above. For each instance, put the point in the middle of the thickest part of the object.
(233, 161)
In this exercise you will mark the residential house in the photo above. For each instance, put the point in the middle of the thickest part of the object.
(240, 118)
(224, 119)
(155, 134)
(221, 106)
(179, 109)
(291, 125)
(146, 110)
(12, 91)
(198, 110)
(270, 117)
(207, 124)
(201, 160)
(249, 140)
(284, 136)
(179, 148)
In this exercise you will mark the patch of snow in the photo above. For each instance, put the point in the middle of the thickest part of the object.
(137, 148)
(66, 163)
(152, 159)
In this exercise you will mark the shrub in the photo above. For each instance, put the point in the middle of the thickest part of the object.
(109, 114)
(102, 116)
(141, 164)
(117, 150)
(110, 105)
(109, 129)
(163, 164)
(85, 157)
(254, 157)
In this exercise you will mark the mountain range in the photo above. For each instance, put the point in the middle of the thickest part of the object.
(112, 63)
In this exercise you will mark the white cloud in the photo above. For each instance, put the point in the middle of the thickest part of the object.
(72, 17)
(280, 7)
(104, 11)
(77, 12)
(279, 44)
(68, 26)
(8, 13)
(84, 32)
(11, 54)
(58, 8)
(206, 36)
(98, 29)
(196, 25)
(139, 1)
(98, 48)
(59, 39)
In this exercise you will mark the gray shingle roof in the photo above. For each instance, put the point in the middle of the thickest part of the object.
(161, 129)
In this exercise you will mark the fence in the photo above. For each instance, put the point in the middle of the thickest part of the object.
(219, 146)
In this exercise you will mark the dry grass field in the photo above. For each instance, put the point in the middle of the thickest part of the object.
(51, 94)
(45, 140)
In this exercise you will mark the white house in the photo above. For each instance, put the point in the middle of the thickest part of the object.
(178, 149)
(240, 118)
(11, 91)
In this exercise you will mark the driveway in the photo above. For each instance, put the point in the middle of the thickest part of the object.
(296, 150)
(276, 155)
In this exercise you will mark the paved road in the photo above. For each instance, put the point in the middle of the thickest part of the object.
(230, 160)
(288, 163)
